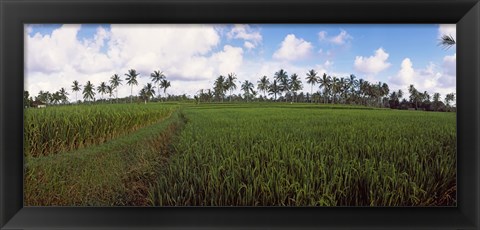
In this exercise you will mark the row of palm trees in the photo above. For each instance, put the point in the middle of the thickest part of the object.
(334, 90)
(89, 91)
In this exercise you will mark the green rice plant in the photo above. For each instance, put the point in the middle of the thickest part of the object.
(307, 155)
(65, 128)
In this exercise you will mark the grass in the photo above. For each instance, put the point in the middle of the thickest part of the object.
(259, 154)
(310, 156)
(116, 173)
(66, 128)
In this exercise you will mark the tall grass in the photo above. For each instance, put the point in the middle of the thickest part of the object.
(310, 156)
(65, 128)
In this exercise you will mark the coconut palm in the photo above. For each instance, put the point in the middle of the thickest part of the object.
(164, 84)
(312, 79)
(102, 89)
(414, 95)
(157, 77)
(263, 84)
(247, 87)
(147, 92)
(88, 91)
(63, 95)
(115, 81)
(219, 87)
(274, 89)
(75, 88)
(282, 80)
(131, 80)
(325, 82)
(295, 85)
(109, 92)
(230, 83)
(447, 41)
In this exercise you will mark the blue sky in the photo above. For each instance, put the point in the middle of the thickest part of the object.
(192, 56)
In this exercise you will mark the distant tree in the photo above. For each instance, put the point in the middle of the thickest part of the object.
(247, 87)
(325, 83)
(449, 98)
(75, 88)
(274, 89)
(147, 92)
(312, 79)
(157, 76)
(102, 89)
(230, 83)
(295, 85)
(115, 81)
(282, 80)
(263, 85)
(165, 84)
(88, 91)
(219, 87)
(131, 80)
(63, 95)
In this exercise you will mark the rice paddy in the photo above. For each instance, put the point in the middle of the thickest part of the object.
(253, 154)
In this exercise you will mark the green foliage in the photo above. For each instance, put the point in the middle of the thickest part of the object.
(308, 155)
(64, 128)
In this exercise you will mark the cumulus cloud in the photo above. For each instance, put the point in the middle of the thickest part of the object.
(186, 53)
(340, 39)
(373, 64)
(293, 48)
(432, 78)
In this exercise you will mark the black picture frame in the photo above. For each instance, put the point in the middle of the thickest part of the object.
(14, 13)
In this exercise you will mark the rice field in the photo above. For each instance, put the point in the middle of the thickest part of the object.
(64, 128)
(262, 154)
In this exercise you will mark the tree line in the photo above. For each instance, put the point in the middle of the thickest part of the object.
(330, 90)
(109, 88)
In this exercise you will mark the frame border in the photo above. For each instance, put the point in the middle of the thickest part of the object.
(14, 13)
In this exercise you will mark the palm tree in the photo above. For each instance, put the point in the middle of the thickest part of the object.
(102, 88)
(109, 92)
(230, 83)
(56, 97)
(414, 96)
(115, 81)
(63, 95)
(76, 88)
(312, 79)
(274, 89)
(282, 79)
(335, 86)
(448, 98)
(247, 86)
(295, 85)
(219, 87)
(88, 92)
(447, 41)
(325, 82)
(164, 84)
(157, 77)
(263, 84)
(131, 80)
(147, 92)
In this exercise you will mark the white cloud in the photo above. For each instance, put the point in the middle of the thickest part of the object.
(248, 45)
(432, 78)
(252, 38)
(342, 38)
(185, 53)
(293, 48)
(447, 29)
(373, 64)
